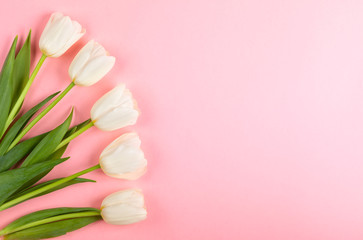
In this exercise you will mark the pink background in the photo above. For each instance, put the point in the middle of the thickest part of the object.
(252, 114)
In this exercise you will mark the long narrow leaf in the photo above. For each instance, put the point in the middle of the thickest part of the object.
(43, 214)
(6, 86)
(20, 124)
(55, 155)
(21, 69)
(54, 229)
(14, 179)
(34, 180)
(48, 144)
(78, 126)
(59, 153)
(44, 145)
(24, 148)
(40, 185)
(19, 152)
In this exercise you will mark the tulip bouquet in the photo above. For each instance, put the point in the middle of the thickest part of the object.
(23, 163)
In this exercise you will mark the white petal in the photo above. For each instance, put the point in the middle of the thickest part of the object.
(133, 197)
(130, 139)
(106, 102)
(124, 207)
(123, 214)
(134, 175)
(116, 119)
(98, 50)
(54, 17)
(123, 158)
(95, 69)
(116, 109)
(72, 40)
(80, 59)
(59, 35)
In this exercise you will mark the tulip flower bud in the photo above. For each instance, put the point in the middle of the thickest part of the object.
(124, 207)
(123, 158)
(90, 64)
(59, 35)
(115, 109)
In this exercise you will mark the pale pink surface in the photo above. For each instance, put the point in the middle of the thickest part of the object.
(252, 115)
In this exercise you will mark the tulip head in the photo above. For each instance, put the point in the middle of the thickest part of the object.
(124, 207)
(123, 158)
(90, 64)
(115, 109)
(60, 33)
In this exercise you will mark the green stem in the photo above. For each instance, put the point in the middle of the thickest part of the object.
(46, 188)
(52, 219)
(74, 135)
(21, 98)
(42, 114)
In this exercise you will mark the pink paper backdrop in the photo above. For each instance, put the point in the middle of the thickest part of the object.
(252, 114)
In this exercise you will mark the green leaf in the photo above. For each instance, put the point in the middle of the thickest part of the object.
(41, 215)
(20, 124)
(48, 144)
(21, 69)
(6, 86)
(45, 150)
(78, 126)
(59, 153)
(72, 182)
(24, 148)
(49, 154)
(55, 155)
(14, 179)
(19, 152)
(33, 180)
(54, 229)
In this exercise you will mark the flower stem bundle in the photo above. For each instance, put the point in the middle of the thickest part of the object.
(24, 163)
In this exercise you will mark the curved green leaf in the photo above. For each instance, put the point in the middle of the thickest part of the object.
(59, 153)
(55, 155)
(42, 214)
(48, 144)
(24, 148)
(19, 152)
(14, 179)
(21, 69)
(54, 229)
(78, 126)
(40, 185)
(6, 86)
(20, 123)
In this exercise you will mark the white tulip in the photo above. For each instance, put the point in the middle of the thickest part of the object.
(115, 109)
(60, 33)
(123, 158)
(90, 64)
(124, 207)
